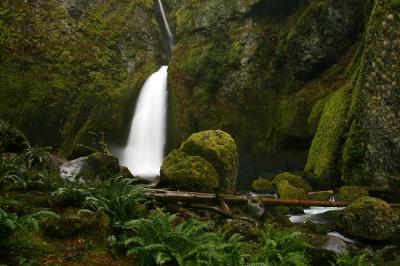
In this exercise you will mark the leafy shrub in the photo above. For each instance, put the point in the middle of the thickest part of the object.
(157, 240)
(278, 247)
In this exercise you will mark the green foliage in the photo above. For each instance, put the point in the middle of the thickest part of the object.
(278, 247)
(72, 194)
(158, 240)
(16, 174)
(363, 258)
(34, 156)
(120, 198)
(11, 223)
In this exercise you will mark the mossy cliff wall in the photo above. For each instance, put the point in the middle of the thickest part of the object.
(264, 72)
(307, 85)
(73, 66)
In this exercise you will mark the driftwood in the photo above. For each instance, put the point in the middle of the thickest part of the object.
(195, 197)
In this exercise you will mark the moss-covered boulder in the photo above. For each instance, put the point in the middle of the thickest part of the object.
(294, 180)
(11, 139)
(287, 191)
(219, 149)
(351, 193)
(186, 172)
(263, 185)
(371, 219)
(320, 195)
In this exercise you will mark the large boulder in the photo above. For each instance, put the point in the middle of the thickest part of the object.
(186, 172)
(219, 149)
(11, 139)
(371, 219)
(95, 167)
(205, 161)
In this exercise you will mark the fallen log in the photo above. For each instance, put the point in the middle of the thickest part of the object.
(195, 197)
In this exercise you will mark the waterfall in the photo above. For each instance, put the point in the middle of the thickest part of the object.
(144, 152)
(166, 25)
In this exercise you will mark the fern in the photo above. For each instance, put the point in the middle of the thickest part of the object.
(34, 156)
(156, 240)
(119, 198)
(278, 247)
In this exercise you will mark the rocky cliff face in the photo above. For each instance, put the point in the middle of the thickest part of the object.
(73, 66)
(263, 71)
(299, 84)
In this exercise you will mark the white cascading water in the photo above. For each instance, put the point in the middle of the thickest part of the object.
(144, 152)
(166, 25)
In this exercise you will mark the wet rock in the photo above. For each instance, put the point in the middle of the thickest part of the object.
(324, 248)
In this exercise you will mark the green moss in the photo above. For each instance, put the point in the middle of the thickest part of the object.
(85, 61)
(321, 167)
(219, 149)
(350, 194)
(263, 185)
(287, 191)
(185, 172)
(100, 166)
(294, 180)
(323, 196)
(76, 222)
(371, 219)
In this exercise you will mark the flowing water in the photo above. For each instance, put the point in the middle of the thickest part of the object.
(166, 25)
(144, 152)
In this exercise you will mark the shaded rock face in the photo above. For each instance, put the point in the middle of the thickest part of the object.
(262, 76)
(206, 161)
(371, 219)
